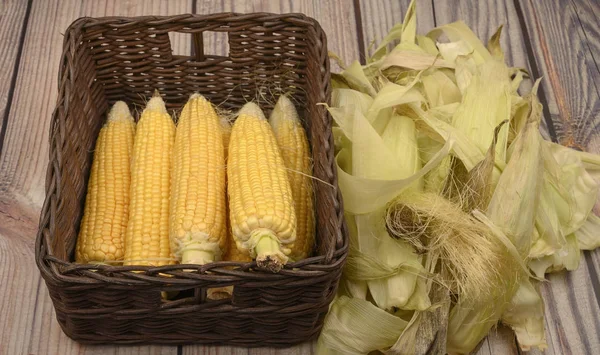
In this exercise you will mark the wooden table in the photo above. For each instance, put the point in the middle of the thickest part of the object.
(556, 39)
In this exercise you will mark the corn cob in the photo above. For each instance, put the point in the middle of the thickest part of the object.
(198, 200)
(104, 222)
(295, 151)
(262, 216)
(233, 253)
(147, 237)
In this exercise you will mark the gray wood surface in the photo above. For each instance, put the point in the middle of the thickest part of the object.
(559, 40)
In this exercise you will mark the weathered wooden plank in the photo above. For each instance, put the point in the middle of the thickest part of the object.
(379, 16)
(18, 316)
(564, 55)
(572, 312)
(48, 338)
(28, 322)
(587, 15)
(302, 349)
(13, 19)
(500, 341)
(564, 41)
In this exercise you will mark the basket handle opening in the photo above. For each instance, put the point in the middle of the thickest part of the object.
(200, 45)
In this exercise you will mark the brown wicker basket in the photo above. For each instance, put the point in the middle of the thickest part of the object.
(116, 58)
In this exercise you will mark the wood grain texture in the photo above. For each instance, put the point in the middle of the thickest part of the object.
(500, 341)
(28, 324)
(587, 14)
(564, 52)
(572, 313)
(302, 349)
(12, 26)
(565, 42)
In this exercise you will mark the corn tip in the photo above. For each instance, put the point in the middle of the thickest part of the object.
(284, 109)
(156, 103)
(252, 109)
(196, 96)
(119, 111)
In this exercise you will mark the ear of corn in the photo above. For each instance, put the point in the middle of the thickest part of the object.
(232, 253)
(295, 151)
(262, 216)
(147, 237)
(104, 222)
(197, 214)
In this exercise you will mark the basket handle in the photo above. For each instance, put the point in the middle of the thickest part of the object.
(199, 46)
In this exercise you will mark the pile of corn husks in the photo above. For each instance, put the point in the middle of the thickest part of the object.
(456, 205)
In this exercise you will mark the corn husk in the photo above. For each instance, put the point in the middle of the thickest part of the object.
(465, 69)
(567, 198)
(485, 106)
(459, 32)
(519, 188)
(472, 190)
(347, 97)
(355, 326)
(525, 316)
(567, 257)
(427, 45)
(405, 32)
(440, 89)
(588, 236)
(519, 185)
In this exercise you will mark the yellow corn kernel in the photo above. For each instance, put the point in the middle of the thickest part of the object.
(102, 231)
(198, 198)
(147, 237)
(295, 151)
(261, 206)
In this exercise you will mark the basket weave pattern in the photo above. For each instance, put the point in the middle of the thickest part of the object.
(116, 58)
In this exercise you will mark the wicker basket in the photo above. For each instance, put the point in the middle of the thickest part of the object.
(115, 58)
